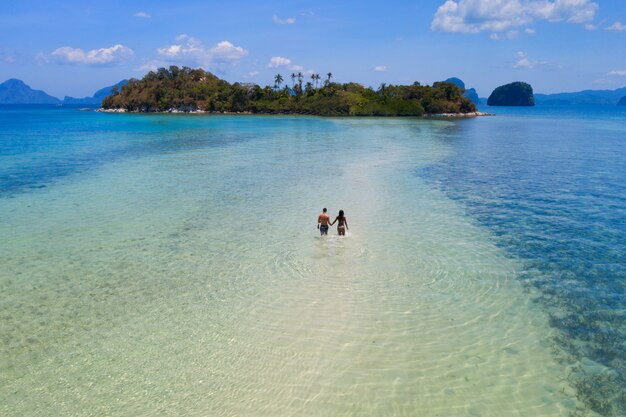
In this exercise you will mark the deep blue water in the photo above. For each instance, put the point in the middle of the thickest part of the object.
(550, 184)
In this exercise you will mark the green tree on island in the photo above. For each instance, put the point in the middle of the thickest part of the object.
(299, 75)
(317, 78)
(381, 89)
(278, 79)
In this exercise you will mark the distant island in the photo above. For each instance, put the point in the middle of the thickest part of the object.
(513, 94)
(472, 95)
(622, 101)
(467, 92)
(97, 98)
(195, 90)
(14, 91)
(604, 97)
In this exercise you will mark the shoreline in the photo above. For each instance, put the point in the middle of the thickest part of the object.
(249, 113)
(459, 115)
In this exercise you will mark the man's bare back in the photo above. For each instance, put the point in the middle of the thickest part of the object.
(322, 222)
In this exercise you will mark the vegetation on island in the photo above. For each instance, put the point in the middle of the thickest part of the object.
(513, 94)
(186, 89)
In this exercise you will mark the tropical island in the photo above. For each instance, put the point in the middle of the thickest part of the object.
(195, 90)
(513, 94)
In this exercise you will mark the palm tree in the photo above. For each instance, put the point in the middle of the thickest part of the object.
(382, 89)
(330, 75)
(299, 75)
(293, 79)
(277, 80)
(317, 78)
(312, 78)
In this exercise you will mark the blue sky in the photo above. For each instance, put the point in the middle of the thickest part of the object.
(76, 47)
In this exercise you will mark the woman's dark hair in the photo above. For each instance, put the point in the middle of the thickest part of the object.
(340, 213)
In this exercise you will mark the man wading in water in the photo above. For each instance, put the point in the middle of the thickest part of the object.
(322, 222)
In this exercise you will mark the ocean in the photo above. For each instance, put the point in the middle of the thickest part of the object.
(171, 265)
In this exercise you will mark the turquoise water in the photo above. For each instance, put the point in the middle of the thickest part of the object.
(170, 264)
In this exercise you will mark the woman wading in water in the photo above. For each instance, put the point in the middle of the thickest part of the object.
(342, 226)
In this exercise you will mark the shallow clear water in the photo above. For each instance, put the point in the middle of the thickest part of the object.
(550, 183)
(171, 265)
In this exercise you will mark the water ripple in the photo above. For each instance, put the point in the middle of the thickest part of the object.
(557, 200)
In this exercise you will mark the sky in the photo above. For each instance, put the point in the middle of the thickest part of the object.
(75, 47)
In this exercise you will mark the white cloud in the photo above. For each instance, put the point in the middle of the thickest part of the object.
(282, 62)
(524, 62)
(617, 27)
(251, 74)
(590, 26)
(380, 68)
(474, 16)
(278, 61)
(193, 52)
(171, 51)
(511, 34)
(143, 15)
(151, 65)
(619, 73)
(7, 57)
(227, 53)
(41, 58)
(181, 37)
(530, 31)
(103, 56)
(287, 21)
